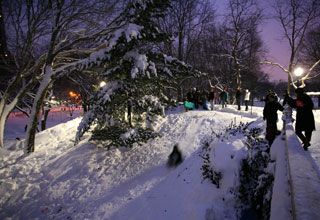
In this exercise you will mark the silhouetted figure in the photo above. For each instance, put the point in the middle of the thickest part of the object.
(286, 98)
(175, 158)
(266, 99)
(304, 116)
(271, 116)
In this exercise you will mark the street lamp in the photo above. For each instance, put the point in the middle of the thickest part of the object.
(298, 72)
(102, 84)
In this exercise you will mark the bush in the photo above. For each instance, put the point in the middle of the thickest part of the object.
(115, 136)
(255, 189)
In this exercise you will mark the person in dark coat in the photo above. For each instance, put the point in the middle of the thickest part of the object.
(190, 95)
(238, 98)
(196, 97)
(304, 117)
(271, 116)
(175, 158)
(266, 99)
(286, 98)
(224, 98)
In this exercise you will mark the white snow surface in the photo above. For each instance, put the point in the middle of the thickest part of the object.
(63, 181)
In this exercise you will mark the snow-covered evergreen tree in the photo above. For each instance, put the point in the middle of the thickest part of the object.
(135, 71)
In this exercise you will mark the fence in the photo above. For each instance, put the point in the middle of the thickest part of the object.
(296, 190)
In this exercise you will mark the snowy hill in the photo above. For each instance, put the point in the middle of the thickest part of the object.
(63, 181)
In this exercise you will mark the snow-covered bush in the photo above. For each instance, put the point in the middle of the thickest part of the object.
(243, 172)
(256, 183)
(115, 136)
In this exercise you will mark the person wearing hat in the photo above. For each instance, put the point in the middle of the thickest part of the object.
(212, 97)
(270, 114)
(224, 98)
(304, 116)
(247, 98)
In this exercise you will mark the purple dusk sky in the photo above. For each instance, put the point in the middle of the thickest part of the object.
(271, 33)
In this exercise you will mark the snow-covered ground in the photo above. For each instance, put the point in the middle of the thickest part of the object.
(63, 181)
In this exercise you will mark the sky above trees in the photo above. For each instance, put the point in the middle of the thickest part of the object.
(278, 50)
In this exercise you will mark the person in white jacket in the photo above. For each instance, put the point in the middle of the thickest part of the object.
(247, 98)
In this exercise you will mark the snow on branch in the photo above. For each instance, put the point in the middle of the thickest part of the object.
(310, 70)
(276, 64)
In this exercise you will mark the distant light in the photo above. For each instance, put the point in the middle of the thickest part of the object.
(72, 94)
(102, 84)
(298, 71)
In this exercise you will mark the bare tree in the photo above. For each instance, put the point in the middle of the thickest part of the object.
(242, 20)
(43, 35)
(67, 32)
(296, 18)
(311, 50)
(185, 23)
(26, 26)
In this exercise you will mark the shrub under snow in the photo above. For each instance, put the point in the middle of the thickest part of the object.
(244, 170)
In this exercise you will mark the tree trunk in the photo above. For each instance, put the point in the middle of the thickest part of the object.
(3, 119)
(6, 109)
(180, 46)
(179, 93)
(4, 114)
(35, 112)
(130, 113)
(45, 112)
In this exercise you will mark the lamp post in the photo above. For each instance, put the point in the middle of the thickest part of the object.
(298, 72)
(102, 84)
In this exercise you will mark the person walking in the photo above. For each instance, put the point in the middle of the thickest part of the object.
(304, 116)
(196, 97)
(271, 116)
(247, 99)
(238, 98)
(224, 97)
(212, 97)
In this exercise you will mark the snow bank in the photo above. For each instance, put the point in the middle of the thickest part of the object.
(60, 181)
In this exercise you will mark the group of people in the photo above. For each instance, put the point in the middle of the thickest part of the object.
(208, 100)
(304, 125)
(246, 98)
(303, 104)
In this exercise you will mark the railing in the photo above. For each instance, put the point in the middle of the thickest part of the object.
(296, 190)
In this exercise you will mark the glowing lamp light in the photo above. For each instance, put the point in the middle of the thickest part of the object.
(102, 84)
(72, 94)
(298, 72)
